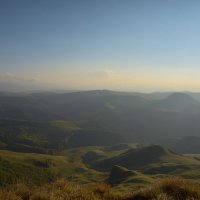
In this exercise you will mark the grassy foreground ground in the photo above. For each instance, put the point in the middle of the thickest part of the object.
(167, 189)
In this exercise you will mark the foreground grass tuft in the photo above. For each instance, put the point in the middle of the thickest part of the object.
(61, 190)
(168, 189)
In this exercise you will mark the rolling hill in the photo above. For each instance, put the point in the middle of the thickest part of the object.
(125, 167)
(178, 102)
(101, 118)
(151, 159)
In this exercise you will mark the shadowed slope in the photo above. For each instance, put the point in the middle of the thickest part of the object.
(121, 175)
(136, 158)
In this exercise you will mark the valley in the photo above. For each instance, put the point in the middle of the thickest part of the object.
(123, 140)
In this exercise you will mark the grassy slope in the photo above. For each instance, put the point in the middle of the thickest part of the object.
(40, 168)
(32, 168)
(77, 165)
(153, 160)
(122, 176)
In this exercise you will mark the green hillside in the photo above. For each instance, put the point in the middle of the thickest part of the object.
(121, 175)
(153, 162)
(39, 169)
(125, 166)
(30, 168)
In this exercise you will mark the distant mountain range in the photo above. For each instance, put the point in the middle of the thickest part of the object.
(42, 121)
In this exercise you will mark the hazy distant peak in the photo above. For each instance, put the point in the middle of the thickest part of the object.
(179, 96)
(178, 102)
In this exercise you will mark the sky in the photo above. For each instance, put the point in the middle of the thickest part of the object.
(130, 45)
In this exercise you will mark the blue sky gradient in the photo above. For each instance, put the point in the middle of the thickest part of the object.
(100, 44)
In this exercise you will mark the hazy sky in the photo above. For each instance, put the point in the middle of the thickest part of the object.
(133, 45)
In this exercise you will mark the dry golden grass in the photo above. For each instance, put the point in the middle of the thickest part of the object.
(60, 190)
(168, 189)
